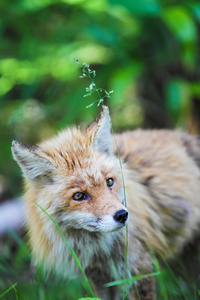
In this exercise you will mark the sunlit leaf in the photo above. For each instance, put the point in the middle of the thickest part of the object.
(141, 7)
(180, 22)
(178, 99)
(196, 9)
(5, 85)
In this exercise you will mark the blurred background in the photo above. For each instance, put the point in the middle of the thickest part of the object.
(147, 51)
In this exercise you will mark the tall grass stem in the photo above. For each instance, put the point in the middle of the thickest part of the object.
(8, 290)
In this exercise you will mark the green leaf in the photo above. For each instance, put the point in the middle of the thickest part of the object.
(122, 79)
(180, 22)
(177, 96)
(195, 88)
(178, 100)
(141, 7)
(196, 9)
(6, 85)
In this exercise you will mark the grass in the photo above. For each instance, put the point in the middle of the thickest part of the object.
(15, 266)
(8, 290)
(176, 281)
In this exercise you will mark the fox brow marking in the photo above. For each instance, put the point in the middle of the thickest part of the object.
(77, 185)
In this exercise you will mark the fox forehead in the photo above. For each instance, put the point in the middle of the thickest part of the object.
(68, 143)
(72, 153)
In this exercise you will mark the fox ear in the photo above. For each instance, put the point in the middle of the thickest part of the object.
(35, 167)
(100, 132)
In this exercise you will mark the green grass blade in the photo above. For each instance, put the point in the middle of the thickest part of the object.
(69, 247)
(15, 292)
(132, 279)
(157, 268)
(8, 290)
(175, 279)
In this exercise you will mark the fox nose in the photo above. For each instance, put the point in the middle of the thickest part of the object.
(121, 216)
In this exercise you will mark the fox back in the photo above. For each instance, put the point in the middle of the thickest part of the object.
(77, 179)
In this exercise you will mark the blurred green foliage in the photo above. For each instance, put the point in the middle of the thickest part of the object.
(147, 51)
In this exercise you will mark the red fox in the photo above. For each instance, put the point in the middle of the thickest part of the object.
(76, 177)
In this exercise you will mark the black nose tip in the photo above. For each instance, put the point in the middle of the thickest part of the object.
(121, 216)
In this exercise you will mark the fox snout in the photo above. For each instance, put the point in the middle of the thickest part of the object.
(121, 216)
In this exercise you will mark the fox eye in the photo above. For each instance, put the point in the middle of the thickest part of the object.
(110, 182)
(80, 196)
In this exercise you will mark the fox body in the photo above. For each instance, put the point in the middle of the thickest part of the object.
(77, 179)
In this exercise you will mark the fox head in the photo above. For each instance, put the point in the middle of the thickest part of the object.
(76, 178)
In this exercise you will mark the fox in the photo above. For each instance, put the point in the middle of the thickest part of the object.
(95, 185)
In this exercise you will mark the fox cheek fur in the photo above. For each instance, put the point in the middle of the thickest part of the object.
(76, 177)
